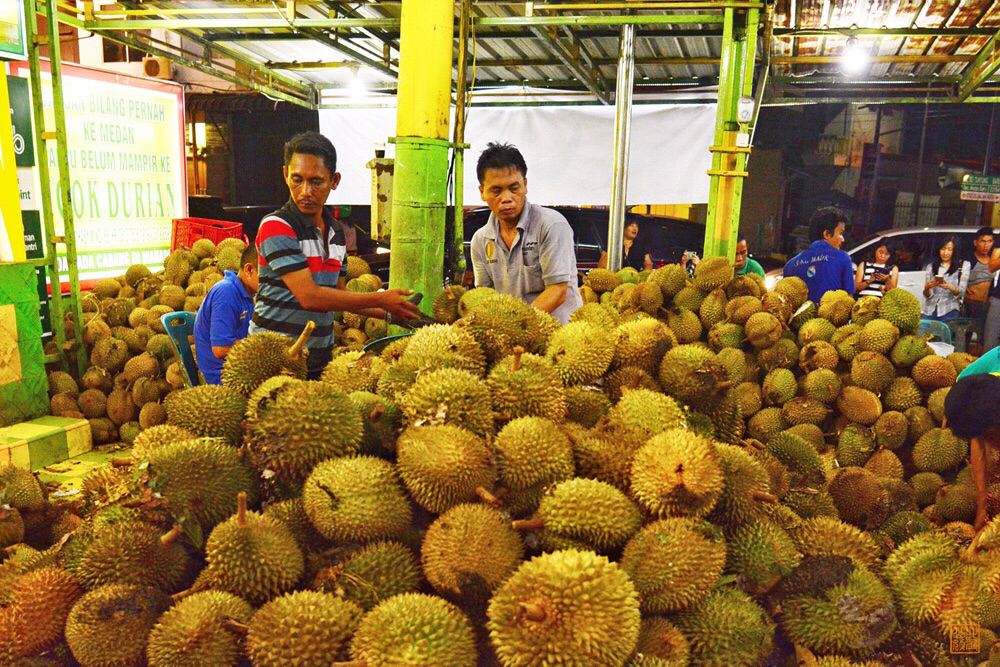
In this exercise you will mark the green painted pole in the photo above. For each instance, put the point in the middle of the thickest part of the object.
(420, 181)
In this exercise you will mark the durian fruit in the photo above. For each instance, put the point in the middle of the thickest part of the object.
(766, 423)
(210, 411)
(353, 371)
(902, 394)
(677, 473)
(356, 499)
(532, 451)
(109, 354)
(901, 309)
(956, 502)
(449, 396)
(628, 378)
(471, 298)
(445, 306)
(586, 405)
(692, 375)
(814, 330)
(381, 420)
(20, 489)
(818, 354)
(726, 628)
(901, 526)
(798, 455)
(713, 308)
(918, 422)
(822, 385)
(643, 343)
(199, 480)
(713, 273)
(855, 445)
(262, 355)
(648, 410)
(156, 437)
(836, 306)
(851, 614)
(444, 346)
(935, 403)
(110, 625)
(581, 352)
(872, 371)
(602, 280)
(415, 629)
(878, 335)
(302, 629)
(828, 536)
(779, 386)
(891, 430)
(194, 632)
(783, 354)
(804, 410)
(600, 314)
(374, 573)
(763, 330)
(865, 310)
(740, 309)
(443, 465)
(760, 553)
(471, 550)
(909, 350)
(11, 526)
(671, 279)
(660, 645)
(307, 423)
(252, 556)
(934, 372)
(938, 450)
(584, 514)
(691, 298)
(133, 552)
(674, 563)
(41, 601)
(503, 318)
(724, 335)
(606, 454)
(536, 615)
(778, 305)
(860, 498)
(885, 465)
(960, 360)
(807, 503)
(523, 385)
(859, 405)
(926, 486)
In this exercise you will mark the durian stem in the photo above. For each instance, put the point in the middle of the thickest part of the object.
(486, 496)
(532, 612)
(295, 351)
(235, 626)
(352, 663)
(376, 414)
(134, 502)
(121, 462)
(756, 444)
(528, 525)
(170, 536)
(724, 385)
(241, 511)
(517, 351)
(765, 497)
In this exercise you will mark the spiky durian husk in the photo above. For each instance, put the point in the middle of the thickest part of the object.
(304, 629)
(443, 465)
(194, 632)
(551, 585)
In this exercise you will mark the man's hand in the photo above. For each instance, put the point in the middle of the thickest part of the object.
(393, 301)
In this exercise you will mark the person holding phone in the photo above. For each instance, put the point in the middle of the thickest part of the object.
(635, 254)
(876, 276)
(946, 283)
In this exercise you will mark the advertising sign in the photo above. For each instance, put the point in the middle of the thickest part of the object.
(981, 188)
(125, 137)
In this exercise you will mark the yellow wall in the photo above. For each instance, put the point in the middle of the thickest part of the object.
(10, 201)
(683, 211)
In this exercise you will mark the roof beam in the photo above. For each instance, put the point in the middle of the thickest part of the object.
(985, 64)
(572, 62)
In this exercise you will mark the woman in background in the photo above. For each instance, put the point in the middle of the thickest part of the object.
(946, 283)
(876, 276)
(635, 252)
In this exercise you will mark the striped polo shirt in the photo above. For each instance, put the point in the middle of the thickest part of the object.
(288, 241)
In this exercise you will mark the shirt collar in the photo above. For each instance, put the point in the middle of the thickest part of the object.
(493, 225)
(293, 211)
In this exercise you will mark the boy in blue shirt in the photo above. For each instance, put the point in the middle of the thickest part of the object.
(224, 316)
(823, 265)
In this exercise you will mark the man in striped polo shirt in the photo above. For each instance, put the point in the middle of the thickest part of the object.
(303, 258)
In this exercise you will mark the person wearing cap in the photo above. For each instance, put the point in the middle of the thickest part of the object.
(970, 412)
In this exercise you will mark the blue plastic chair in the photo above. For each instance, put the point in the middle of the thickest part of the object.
(937, 329)
(179, 326)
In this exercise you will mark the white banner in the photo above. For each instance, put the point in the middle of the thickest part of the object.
(568, 151)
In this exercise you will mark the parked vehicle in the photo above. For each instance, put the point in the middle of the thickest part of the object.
(922, 242)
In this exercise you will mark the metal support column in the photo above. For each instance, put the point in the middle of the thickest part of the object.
(420, 186)
(44, 134)
(918, 184)
(739, 42)
(458, 139)
(623, 132)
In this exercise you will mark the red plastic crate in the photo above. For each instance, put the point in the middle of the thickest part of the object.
(188, 230)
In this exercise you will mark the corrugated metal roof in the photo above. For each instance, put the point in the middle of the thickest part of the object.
(920, 47)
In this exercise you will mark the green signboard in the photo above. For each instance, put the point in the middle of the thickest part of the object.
(34, 248)
(18, 88)
(981, 188)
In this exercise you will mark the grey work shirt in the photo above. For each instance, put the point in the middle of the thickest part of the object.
(542, 254)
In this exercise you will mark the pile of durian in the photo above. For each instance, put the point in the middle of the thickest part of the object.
(133, 365)
(692, 472)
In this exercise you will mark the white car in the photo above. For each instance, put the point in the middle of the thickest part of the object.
(924, 242)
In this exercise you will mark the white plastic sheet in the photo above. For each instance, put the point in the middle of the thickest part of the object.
(568, 150)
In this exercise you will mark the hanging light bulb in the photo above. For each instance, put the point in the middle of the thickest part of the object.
(356, 86)
(855, 58)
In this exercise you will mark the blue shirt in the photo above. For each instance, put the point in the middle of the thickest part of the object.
(223, 319)
(823, 268)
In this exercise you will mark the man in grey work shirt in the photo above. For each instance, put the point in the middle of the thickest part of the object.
(523, 250)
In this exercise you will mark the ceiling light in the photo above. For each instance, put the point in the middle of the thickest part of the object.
(855, 58)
